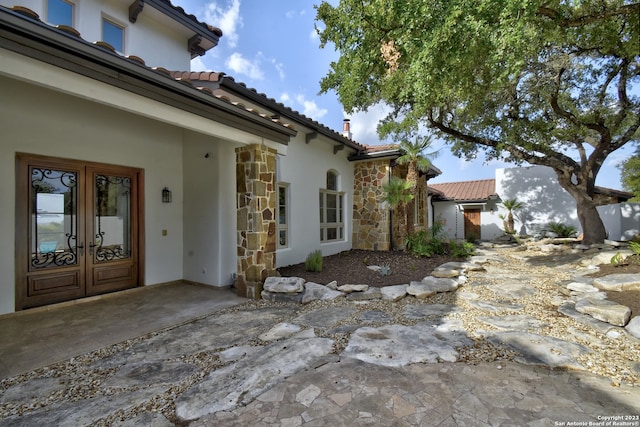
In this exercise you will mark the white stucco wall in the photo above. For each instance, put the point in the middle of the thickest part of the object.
(622, 220)
(453, 218)
(544, 201)
(39, 121)
(304, 168)
(157, 44)
(209, 210)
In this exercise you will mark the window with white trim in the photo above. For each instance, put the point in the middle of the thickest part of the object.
(60, 12)
(113, 34)
(282, 226)
(331, 210)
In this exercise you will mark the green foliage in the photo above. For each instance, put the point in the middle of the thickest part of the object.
(462, 249)
(547, 83)
(562, 230)
(630, 175)
(510, 205)
(617, 260)
(426, 243)
(635, 247)
(471, 237)
(385, 270)
(397, 192)
(314, 261)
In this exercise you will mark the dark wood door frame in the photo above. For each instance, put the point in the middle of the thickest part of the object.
(84, 276)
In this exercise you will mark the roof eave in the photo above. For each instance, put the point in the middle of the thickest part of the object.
(228, 83)
(32, 38)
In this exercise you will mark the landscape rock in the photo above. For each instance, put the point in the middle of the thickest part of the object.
(422, 311)
(241, 382)
(315, 291)
(420, 290)
(394, 293)
(333, 285)
(582, 287)
(513, 291)
(441, 284)
(495, 306)
(281, 330)
(445, 273)
(281, 297)
(618, 282)
(568, 308)
(285, 285)
(348, 288)
(398, 345)
(538, 349)
(633, 327)
(513, 322)
(324, 317)
(368, 294)
(604, 310)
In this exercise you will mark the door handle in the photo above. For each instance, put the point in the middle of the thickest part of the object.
(91, 246)
(81, 249)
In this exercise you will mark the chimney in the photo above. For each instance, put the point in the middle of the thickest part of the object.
(346, 128)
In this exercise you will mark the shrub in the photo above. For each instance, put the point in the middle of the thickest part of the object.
(425, 244)
(562, 230)
(462, 249)
(385, 270)
(618, 259)
(635, 247)
(314, 261)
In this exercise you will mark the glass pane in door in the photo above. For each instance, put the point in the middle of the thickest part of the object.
(112, 218)
(54, 219)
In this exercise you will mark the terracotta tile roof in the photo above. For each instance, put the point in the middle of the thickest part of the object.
(136, 65)
(465, 190)
(225, 84)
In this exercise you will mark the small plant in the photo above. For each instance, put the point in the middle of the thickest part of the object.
(426, 243)
(562, 230)
(314, 261)
(618, 259)
(635, 247)
(471, 237)
(462, 249)
(385, 270)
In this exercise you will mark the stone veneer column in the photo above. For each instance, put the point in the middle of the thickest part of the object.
(256, 205)
(370, 219)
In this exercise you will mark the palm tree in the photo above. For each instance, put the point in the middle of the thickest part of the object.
(510, 205)
(417, 161)
(397, 193)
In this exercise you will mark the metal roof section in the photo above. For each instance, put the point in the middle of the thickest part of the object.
(22, 31)
(466, 191)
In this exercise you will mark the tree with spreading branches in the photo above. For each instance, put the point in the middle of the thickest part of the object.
(543, 82)
(630, 175)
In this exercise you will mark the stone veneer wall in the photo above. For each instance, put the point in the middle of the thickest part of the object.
(370, 218)
(256, 206)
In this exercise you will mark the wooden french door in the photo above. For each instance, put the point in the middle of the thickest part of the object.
(78, 229)
(472, 223)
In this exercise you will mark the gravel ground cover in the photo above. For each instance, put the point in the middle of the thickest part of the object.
(614, 356)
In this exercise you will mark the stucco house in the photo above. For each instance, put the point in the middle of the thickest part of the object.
(472, 208)
(118, 173)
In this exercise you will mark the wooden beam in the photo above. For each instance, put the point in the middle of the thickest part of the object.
(310, 136)
(135, 9)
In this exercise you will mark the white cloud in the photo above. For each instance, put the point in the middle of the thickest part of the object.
(310, 108)
(279, 66)
(364, 124)
(227, 19)
(313, 35)
(198, 65)
(238, 64)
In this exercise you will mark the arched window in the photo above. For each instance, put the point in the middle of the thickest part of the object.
(331, 209)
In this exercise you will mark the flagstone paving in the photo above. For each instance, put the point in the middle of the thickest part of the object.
(504, 354)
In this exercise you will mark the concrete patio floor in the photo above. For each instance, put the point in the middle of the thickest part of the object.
(38, 337)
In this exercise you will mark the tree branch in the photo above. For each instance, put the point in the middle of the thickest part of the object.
(629, 9)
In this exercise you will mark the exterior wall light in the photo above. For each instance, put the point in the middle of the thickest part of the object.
(166, 195)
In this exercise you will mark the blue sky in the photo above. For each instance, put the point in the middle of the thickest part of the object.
(272, 46)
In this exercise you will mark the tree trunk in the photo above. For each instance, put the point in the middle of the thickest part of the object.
(511, 224)
(410, 209)
(593, 230)
(592, 226)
